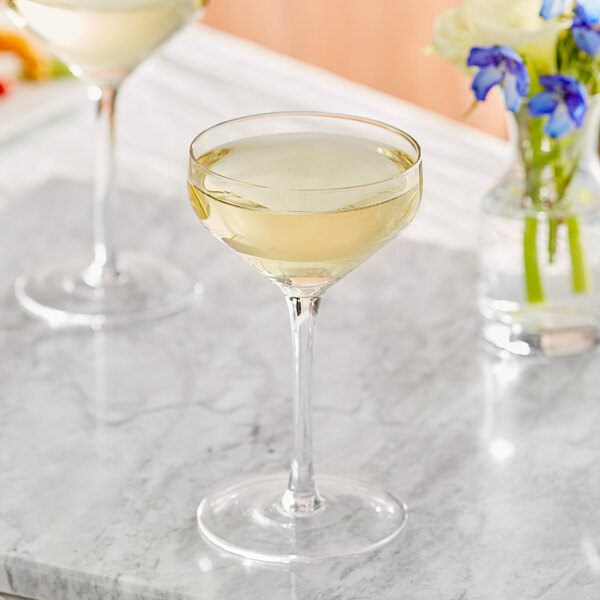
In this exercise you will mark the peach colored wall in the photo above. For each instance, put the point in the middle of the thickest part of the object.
(377, 42)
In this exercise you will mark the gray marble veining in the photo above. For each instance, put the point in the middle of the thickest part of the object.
(109, 440)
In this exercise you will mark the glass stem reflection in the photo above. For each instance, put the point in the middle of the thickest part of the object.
(103, 270)
(302, 497)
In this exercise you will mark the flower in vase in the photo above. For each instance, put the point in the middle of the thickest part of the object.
(555, 8)
(586, 30)
(564, 100)
(514, 23)
(500, 65)
(516, 44)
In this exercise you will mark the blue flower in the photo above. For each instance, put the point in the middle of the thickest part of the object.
(500, 65)
(555, 8)
(591, 8)
(564, 99)
(586, 29)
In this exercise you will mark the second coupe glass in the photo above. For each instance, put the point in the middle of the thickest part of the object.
(102, 41)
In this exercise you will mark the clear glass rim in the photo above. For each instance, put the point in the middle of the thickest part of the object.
(311, 114)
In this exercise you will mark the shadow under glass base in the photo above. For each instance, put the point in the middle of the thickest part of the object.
(247, 519)
(147, 287)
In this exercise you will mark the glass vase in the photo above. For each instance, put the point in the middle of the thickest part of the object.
(539, 243)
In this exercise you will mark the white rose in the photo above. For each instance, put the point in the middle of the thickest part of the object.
(514, 23)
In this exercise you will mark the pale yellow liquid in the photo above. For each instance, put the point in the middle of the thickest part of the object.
(104, 40)
(291, 224)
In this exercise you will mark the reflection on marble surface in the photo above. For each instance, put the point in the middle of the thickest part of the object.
(109, 440)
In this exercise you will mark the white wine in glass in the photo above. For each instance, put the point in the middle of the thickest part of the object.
(296, 239)
(304, 198)
(102, 41)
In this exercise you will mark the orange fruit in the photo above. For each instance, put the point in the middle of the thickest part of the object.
(35, 63)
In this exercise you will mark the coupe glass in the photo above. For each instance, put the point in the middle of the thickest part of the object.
(102, 41)
(304, 198)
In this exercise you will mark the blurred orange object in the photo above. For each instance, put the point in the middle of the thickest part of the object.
(36, 64)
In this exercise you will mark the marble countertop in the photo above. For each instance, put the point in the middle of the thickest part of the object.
(109, 440)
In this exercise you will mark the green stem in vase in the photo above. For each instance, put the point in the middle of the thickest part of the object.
(541, 155)
(580, 275)
(532, 156)
(561, 182)
(552, 231)
(533, 280)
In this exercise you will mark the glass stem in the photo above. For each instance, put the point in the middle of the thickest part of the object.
(302, 497)
(103, 270)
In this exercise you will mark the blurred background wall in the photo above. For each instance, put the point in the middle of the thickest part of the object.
(379, 43)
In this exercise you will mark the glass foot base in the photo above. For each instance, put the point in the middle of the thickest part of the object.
(558, 342)
(249, 520)
(146, 287)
